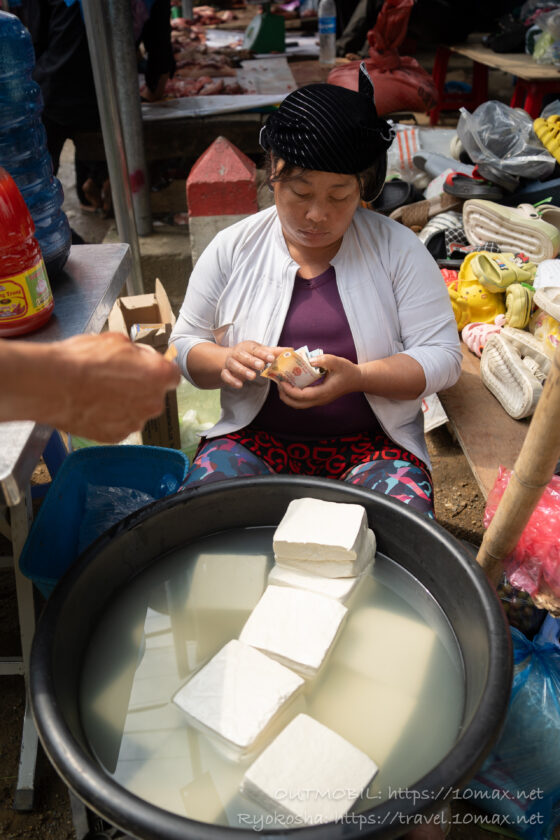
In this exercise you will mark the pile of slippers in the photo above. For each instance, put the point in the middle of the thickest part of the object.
(499, 263)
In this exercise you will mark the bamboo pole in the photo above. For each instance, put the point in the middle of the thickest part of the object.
(532, 472)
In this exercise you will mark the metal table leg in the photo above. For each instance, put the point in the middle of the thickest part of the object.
(20, 517)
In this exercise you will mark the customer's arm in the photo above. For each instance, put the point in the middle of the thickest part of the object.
(101, 387)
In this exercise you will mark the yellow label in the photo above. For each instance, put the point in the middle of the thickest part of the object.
(25, 294)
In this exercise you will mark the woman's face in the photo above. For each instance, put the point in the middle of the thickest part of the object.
(315, 208)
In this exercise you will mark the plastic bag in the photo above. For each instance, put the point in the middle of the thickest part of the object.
(534, 565)
(408, 141)
(551, 109)
(520, 610)
(520, 780)
(503, 137)
(543, 51)
(105, 506)
(400, 82)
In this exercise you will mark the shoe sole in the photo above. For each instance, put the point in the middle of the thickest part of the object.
(485, 221)
(527, 345)
(547, 131)
(505, 376)
(548, 299)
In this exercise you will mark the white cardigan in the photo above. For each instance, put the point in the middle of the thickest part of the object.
(391, 289)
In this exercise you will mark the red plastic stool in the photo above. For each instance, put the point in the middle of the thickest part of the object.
(530, 95)
(453, 101)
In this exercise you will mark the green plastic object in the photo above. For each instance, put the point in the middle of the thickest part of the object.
(265, 33)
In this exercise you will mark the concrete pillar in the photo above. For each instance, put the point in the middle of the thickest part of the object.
(221, 190)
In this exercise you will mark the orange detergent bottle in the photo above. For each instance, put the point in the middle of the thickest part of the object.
(26, 300)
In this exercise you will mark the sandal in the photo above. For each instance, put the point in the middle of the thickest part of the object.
(498, 271)
(497, 176)
(515, 380)
(519, 304)
(395, 193)
(527, 345)
(471, 186)
(476, 334)
(509, 226)
(418, 214)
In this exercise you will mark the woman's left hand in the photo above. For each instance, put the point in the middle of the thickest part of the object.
(342, 377)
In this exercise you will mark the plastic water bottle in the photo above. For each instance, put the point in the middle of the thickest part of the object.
(23, 143)
(327, 31)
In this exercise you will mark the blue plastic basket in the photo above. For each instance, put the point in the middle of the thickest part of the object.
(93, 489)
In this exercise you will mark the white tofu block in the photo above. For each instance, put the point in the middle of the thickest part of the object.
(223, 590)
(340, 589)
(241, 697)
(334, 570)
(309, 772)
(389, 647)
(328, 538)
(227, 581)
(296, 627)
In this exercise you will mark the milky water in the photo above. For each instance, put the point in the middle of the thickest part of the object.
(393, 684)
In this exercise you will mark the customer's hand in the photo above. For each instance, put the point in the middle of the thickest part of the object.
(245, 361)
(102, 387)
(342, 377)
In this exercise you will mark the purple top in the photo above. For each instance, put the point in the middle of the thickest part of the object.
(316, 318)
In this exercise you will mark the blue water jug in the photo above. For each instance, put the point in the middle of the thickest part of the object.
(23, 143)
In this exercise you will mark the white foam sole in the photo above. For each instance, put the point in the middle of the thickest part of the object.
(527, 345)
(548, 299)
(509, 378)
(485, 221)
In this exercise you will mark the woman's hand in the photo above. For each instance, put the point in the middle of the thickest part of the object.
(342, 377)
(398, 377)
(245, 361)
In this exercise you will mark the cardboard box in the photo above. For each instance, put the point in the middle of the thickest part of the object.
(154, 311)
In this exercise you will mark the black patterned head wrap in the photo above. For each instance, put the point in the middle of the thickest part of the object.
(329, 128)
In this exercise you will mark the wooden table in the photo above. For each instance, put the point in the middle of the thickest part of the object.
(532, 80)
(520, 65)
(488, 436)
(84, 293)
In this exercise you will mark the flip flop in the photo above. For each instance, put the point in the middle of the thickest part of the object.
(395, 193)
(496, 176)
(471, 186)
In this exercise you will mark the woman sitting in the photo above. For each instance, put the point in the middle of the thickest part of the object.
(319, 269)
